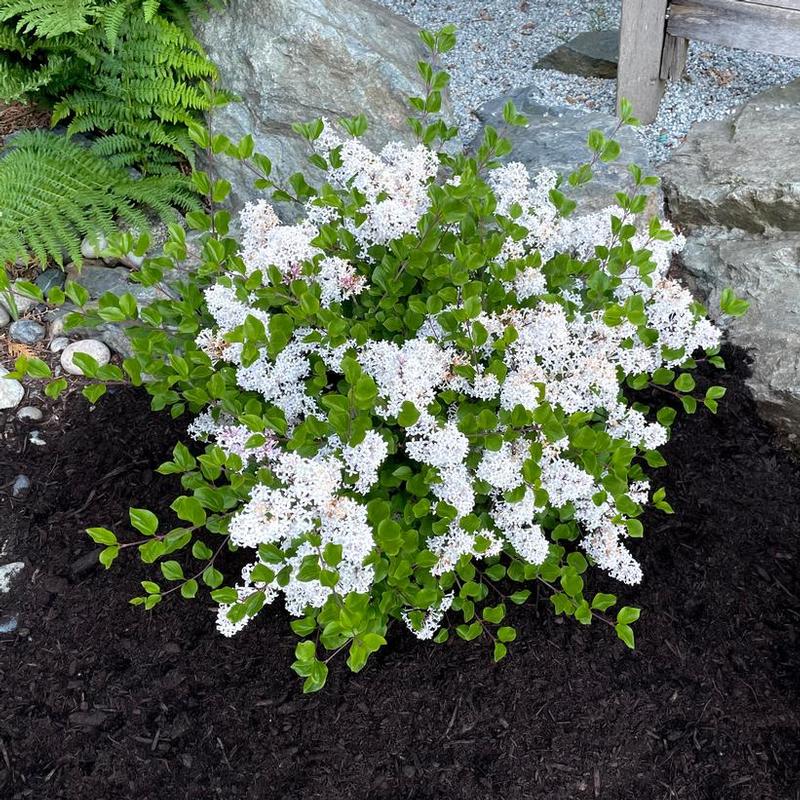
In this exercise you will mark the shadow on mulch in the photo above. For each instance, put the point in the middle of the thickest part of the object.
(101, 700)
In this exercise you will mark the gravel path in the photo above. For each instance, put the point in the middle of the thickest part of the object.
(501, 40)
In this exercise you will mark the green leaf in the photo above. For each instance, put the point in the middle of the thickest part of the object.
(507, 634)
(189, 589)
(625, 632)
(144, 521)
(108, 555)
(731, 305)
(189, 509)
(201, 551)
(494, 614)
(212, 577)
(627, 614)
(93, 392)
(102, 536)
(316, 680)
(603, 601)
(172, 570)
(225, 596)
(408, 415)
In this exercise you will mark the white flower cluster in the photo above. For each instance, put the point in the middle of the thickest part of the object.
(394, 183)
(559, 354)
(307, 502)
(433, 619)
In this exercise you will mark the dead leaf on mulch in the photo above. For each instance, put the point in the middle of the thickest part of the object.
(17, 349)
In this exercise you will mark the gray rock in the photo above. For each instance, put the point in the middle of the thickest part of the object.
(26, 331)
(591, 54)
(11, 391)
(112, 333)
(21, 487)
(30, 414)
(50, 278)
(99, 280)
(5, 317)
(56, 320)
(92, 347)
(295, 60)
(555, 137)
(35, 437)
(742, 171)
(116, 337)
(763, 270)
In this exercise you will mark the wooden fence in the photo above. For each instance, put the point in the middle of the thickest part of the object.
(654, 36)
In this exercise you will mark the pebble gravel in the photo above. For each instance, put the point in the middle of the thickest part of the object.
(499, 41)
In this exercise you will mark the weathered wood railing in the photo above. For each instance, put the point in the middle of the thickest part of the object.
(654, 37)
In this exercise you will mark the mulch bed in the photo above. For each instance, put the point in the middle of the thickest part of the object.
(100, 700)
(20, 116)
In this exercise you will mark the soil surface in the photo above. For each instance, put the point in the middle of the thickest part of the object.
(20, 116)
(101, 700)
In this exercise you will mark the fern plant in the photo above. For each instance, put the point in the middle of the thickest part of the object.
(143, 93)
(54, 192)
(128, 71)
(130, 75)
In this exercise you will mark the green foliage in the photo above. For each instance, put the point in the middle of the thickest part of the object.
(143, 94)
(446, 267)
(128, 71)
(55, 192)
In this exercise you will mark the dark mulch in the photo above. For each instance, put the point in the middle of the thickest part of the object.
(100, 700)
(20, 116)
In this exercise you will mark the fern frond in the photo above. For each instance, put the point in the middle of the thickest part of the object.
(111, 18)
(49, 18)
(54, 192)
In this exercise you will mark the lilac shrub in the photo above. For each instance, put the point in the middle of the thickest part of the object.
(417, 400)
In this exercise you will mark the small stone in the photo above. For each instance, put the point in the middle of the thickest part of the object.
(50, 278)
(30, 414)
(93, 246)
(7, 572)
(5, 317)
(58, 344)
(91, 347)
(35, 437)
(21, 487)
(593, 54)
(8, 623)
(11, 391)
(26, 331)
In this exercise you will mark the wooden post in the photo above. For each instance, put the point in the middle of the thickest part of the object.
(641, 42)
(673, 61)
